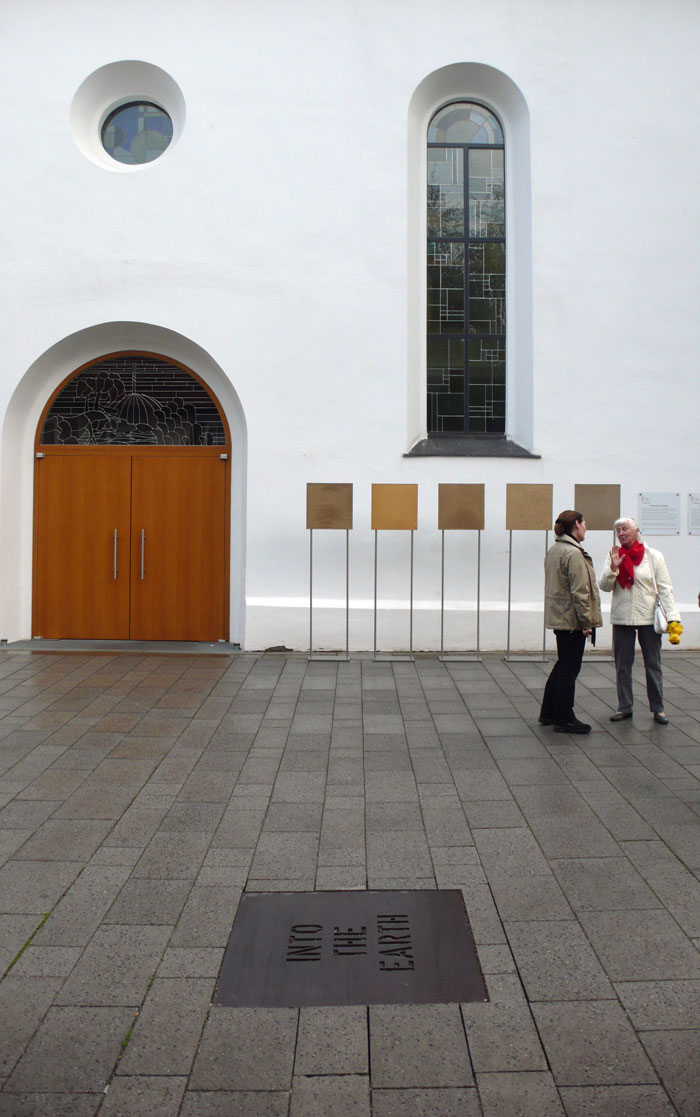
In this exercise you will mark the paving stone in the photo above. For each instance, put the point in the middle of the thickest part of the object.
(523, 1094)
(661, 1004)
(182, 961)
(327, 1096)
(116, 967)
(149, 901)
(173, 855)
(165, 1037)
(49, 1105)
(591, 1043)
(62, 840)
(207, 917)
(556, 962)
(73, 1051)
(616, 1101)
(676, 1057)
(403, 1042)
(501, 1034)
(34, 886)
(144, 1096)
(284, 855)
(47, 961)
(23, 1003)
(246, 1049)
(332, 1041)
(242, 1103)
(641, 945)
(447, 1102)
(603, 884)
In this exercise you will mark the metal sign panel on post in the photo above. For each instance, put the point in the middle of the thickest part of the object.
(460, 508)
(528, 508)
(329, 508)
(394, 508)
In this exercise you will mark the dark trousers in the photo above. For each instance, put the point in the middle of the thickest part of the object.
(623, 649)
(558, 700)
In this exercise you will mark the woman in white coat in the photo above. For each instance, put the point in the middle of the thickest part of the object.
(635, 573)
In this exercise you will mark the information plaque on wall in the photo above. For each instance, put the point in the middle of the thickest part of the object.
(693, 513)
(659, 513)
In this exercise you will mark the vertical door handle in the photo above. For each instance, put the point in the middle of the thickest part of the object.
(116, 538)
(143, 553)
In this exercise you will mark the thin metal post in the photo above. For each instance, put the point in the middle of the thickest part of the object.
(311, 591)
(347, 593)
(478, 592)
(442, 597)
(410, 609)
(544, 626)
(375, 594)
(510, 570)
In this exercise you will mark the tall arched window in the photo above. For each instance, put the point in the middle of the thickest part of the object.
(466, 320)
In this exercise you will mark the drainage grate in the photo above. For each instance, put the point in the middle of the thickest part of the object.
(348, 948)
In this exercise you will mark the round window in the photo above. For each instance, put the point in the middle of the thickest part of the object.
(137, 132)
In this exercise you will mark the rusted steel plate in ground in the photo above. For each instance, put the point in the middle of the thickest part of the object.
(350, 948)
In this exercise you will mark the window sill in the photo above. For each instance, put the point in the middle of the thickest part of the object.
(468, 447)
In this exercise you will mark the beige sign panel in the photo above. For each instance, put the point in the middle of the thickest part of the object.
(460, 507)
(529, 507)
(328, 506)
(598, 504)
(394, 507)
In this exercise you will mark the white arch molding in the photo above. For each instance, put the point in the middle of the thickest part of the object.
(474, 81)
(18, 434)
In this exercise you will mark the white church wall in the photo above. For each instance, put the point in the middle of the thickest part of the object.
(275, 240)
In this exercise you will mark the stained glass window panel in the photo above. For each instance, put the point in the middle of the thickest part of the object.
(487, 386)
(487, 286)
(133, 400)
(446, 384)
(446, 192)
(464, 123)
(446, 287)
(486, 194)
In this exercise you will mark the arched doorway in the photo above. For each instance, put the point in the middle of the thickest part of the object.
(131, 505)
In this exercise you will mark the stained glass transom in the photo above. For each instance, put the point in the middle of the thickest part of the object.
(133, 401)
(466, 281)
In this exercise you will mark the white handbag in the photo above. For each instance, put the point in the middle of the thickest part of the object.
(660, 618)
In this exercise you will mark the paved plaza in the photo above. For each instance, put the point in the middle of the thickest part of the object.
(140, 795)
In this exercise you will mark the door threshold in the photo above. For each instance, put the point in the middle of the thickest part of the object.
(133, 647)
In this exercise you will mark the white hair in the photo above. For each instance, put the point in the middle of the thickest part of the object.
(626, 520)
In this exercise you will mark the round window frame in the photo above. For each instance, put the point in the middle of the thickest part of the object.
(107, 90)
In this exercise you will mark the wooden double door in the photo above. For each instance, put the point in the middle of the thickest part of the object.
(131, 546)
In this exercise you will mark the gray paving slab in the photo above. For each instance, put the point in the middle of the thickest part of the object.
(404, 1040)
(246, 1049)
(74, 1050)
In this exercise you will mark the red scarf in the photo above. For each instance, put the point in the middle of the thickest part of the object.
(631, 557)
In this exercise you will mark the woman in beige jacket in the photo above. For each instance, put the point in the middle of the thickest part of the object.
(635, 573)
(572, 609)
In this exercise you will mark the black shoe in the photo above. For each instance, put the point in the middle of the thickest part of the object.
(661, 719)
(573, 727)
(621, 715)
(546, 721)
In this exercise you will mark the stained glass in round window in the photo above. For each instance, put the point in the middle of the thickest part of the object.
(137, 133)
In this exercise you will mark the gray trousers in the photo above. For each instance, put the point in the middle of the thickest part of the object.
(623, 649)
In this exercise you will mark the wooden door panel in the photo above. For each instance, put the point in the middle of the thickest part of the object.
(81, 500)
(178, 503)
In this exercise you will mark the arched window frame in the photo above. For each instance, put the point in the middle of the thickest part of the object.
(477, 82)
